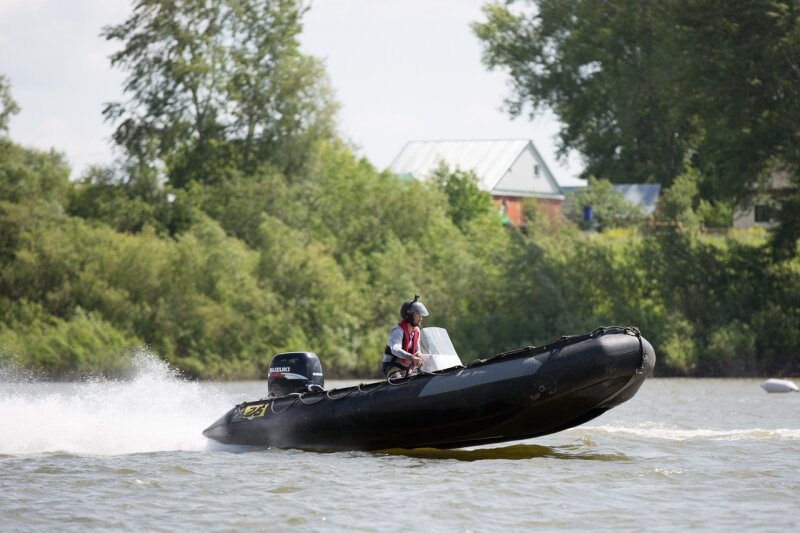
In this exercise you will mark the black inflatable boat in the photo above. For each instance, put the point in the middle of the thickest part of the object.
(521, 394)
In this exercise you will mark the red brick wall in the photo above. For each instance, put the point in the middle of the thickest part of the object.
(549, 208)
(512, 207)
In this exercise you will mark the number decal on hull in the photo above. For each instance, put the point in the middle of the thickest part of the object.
(252, 411)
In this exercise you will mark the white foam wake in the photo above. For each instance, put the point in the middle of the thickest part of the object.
(154, 411)
(668, 432)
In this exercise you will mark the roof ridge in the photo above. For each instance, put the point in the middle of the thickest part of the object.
(491, 161)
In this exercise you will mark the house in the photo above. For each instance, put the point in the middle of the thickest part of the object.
(761, 210)
(511, 170)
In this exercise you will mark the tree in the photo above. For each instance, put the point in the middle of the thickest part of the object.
(8, 106)
(600, 67)
(741, 83)
(643, 87)
(677, 204)
(100, 195)
(27, 174)
(217, 83)
(466, 202)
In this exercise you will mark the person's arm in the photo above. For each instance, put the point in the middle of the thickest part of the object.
(395, 343)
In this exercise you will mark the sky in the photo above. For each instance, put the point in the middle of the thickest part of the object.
(402, 70)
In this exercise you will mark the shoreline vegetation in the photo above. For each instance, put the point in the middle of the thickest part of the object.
(236, 223)
(88, 271)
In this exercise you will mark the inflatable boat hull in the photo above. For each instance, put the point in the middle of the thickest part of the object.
(516, 395)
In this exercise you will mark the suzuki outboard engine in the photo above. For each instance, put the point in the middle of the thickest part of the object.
(294, 372)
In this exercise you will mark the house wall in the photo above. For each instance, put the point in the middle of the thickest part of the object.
(761, 210)
(526, 176)
(549, 208)
(746, 217)
(512, 206)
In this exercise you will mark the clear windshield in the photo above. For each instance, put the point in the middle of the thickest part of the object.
(436, 341)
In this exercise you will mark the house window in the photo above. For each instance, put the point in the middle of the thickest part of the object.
(764, 213)
(535, 170)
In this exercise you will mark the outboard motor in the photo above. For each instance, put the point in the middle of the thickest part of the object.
(294, 372)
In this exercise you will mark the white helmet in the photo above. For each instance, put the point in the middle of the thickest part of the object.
(411, 308)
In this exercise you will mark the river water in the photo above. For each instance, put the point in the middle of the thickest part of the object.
(104, 455)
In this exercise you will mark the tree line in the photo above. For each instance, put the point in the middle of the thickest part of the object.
(648, 91)
(236, 224)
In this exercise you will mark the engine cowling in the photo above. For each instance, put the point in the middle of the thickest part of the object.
(294, 372)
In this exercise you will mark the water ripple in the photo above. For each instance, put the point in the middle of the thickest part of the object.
(513, 452)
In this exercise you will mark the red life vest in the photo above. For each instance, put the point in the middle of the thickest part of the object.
(410, 337)
(410, 343)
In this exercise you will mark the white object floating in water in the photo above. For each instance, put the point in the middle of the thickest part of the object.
(779, 385)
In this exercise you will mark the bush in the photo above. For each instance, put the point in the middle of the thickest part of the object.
(82, 346)
(609, 208)
(730, 351)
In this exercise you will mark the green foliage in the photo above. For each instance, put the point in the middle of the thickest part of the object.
(677, 203)
(32, 175)
(740, 80)
(642, 86)
(82, 345)
(219, 86)
(714, 214)
(609, 208)
(237, 203)
(100, 196)
(240, 227)
(682, 204)
(602, 67)
(678, 346)
(731, 350)
(466, 201)
(785, 238)
(8, 106)
(308, 268)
